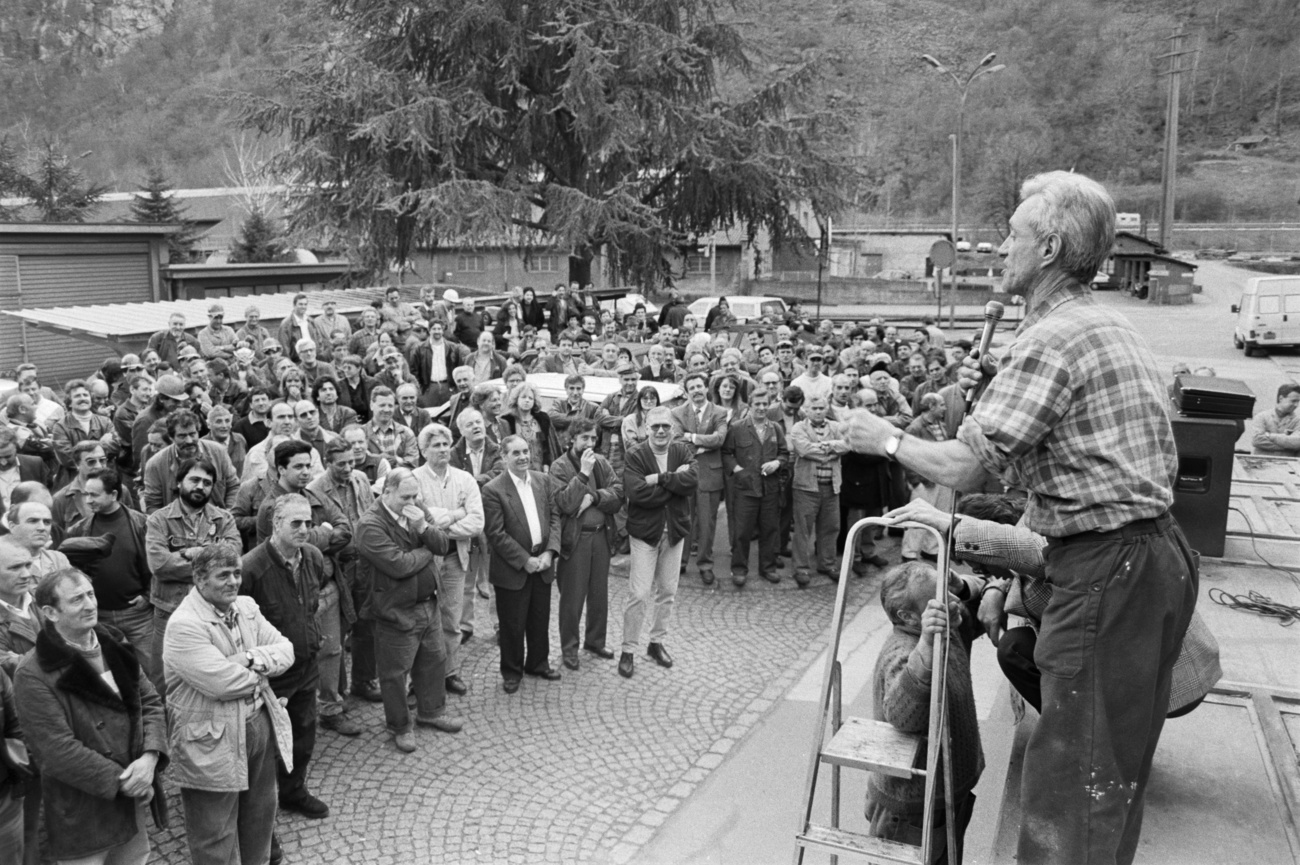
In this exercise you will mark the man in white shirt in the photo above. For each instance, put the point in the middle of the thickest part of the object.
(451, 498)
(813, 382)
(523, 562)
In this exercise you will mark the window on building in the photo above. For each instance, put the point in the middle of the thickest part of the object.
(469, 263)
(697, 262)
(543, 263)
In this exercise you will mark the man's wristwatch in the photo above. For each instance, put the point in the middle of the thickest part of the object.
(248, 656)
(891, 445)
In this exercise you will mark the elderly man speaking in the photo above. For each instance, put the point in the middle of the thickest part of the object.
(1077, 416)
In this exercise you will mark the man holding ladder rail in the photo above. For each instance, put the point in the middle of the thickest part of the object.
(1077, 416)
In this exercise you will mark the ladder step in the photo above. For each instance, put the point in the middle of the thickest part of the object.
(868, 847)
(862, 743)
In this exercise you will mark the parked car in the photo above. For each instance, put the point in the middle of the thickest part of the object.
(625, 304)
(744, 307)
(984, 247)
(963, 245)
(893, 274)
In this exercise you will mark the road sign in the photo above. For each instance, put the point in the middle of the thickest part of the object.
(942, 253)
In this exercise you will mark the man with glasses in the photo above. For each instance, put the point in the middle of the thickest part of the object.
(217, 340)
(309, 428)
(70, 503)
(160, 473)
(659, 480)
(284, 574)
(313, 369)
(272, 351)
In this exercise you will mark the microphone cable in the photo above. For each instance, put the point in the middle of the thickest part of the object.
(1253, 601)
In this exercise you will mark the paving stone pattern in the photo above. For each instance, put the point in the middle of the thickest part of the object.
(581, 770)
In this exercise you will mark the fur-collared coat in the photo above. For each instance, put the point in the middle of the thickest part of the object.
(83, 735)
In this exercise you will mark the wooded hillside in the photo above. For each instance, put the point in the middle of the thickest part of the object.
(147, 82)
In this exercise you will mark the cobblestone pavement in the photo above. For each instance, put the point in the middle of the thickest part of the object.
(581, 770)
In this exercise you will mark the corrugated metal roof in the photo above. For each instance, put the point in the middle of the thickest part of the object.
(135, 322)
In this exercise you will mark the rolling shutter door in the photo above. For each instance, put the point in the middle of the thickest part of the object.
(77, 280)
(11, 337)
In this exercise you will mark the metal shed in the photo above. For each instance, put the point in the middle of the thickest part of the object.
(49, 265)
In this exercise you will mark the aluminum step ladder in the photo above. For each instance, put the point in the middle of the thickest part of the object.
(876, 746)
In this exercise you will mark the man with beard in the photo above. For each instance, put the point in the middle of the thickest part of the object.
(160, 473)
(176, 533)
(284, 574)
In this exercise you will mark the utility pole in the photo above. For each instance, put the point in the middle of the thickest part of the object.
(1169, 169)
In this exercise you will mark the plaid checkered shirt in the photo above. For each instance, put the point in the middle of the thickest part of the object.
(1077, 416)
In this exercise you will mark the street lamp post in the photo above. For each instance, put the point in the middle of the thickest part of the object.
(963, 88)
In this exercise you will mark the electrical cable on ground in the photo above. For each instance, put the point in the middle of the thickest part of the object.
(1252, 601)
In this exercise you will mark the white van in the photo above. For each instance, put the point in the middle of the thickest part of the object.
(1268, 315)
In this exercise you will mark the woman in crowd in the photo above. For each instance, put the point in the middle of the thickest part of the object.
(634, 429)
(726, 395)
(333, 417)
(293, 384)
(509, 328)
(531, 310)
(523, 416)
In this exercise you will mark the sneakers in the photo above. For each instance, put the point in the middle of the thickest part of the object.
(405, 743)
(626, 665)
(307, 805)
(341, 724)
(442, 723)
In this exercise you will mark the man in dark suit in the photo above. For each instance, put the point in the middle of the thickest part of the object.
(753, 454)
(408, 412)
(523, 531)
(703, 425)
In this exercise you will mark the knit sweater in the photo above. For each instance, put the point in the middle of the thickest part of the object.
(902, 698)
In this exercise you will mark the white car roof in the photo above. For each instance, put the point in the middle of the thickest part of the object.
(550, 385)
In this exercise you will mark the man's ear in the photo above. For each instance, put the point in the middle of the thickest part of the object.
(1049, 250)
(909, 617)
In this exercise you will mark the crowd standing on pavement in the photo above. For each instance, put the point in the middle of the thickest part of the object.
(216, 546)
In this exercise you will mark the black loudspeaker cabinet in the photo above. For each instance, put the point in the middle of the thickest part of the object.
(1204, 480)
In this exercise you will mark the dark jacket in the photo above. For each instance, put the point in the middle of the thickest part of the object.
(491, 460)
(606, 489)
(506, 528)
(743, 448)
(545, 432)
(422, 363)
(356, 398)
(399, 567)
(82, 735)
(652, 509)
(572, 307)
(533, 313)
(289, 606)
(10, 783)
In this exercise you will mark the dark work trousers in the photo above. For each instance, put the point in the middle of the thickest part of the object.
(757, 515)
(236, 827)
(300, 691)
(787, 509)
(419, 653)
(364, 671)
(584, 579)
(1016, 658)
(1121, 603)
(525, 616)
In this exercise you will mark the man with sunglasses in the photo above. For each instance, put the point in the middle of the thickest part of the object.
(309, 428)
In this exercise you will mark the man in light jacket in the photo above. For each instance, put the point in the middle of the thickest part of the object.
(225, 722)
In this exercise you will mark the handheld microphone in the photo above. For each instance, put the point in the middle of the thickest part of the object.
(992, 315)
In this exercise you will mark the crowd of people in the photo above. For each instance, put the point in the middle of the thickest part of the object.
(210, 546)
